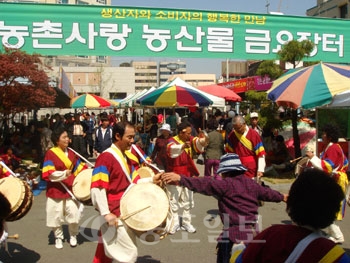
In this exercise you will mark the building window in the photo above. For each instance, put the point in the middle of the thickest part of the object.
(101, 1)
(145, 67)
(343, 11)
(79, 2)
(146, 74)
(117, 95)
(62, 1)
(82, 56)
(101, 59)
(145, 81)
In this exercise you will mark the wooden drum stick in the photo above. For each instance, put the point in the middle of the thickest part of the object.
(134, 213)
(15, 236)
(296, 159)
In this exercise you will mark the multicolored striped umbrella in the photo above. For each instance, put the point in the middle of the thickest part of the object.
(311, 86)
(171, 96)
(91, 101)
(220, 91)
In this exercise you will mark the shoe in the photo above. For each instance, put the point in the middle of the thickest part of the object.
(189, 228)
(59, 243)
(174, 229)
(73, 241)
(338, 240)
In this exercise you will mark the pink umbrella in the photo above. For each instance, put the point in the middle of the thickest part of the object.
(305, 138)
(221, 92)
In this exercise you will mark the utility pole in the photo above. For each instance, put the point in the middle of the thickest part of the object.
(267, 6)
(227, 71)
(279, 6)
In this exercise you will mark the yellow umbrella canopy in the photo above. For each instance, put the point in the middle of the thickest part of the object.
(91, 101)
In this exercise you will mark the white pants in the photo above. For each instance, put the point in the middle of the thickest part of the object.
(180, 197)
(119, 242)
(60, 210)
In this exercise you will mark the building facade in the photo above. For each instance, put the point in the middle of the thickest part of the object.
(167, 69)
(330, 9)
(234, 69)
(72, 61)
(107, 82)
(146, 74)
(196, 80)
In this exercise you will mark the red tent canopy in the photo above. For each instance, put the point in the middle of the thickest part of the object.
(221, 92)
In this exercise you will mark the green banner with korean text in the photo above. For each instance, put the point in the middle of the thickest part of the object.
(50, 29)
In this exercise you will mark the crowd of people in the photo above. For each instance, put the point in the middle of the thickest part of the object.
(31, 139)
(235, 160)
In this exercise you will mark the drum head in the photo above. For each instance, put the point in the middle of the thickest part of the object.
(14, 190)
(25, 206)
(82, 184)
(140, 196)
(145, 172)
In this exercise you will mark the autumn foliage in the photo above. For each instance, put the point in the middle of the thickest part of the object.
(24, 84)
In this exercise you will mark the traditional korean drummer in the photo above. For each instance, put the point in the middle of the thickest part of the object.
(112, 175)
(60, 167)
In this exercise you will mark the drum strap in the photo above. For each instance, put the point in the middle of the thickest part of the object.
(68, 191)
(80, 204)
(144, 159)
(301, 246)
(121, 159)
(8, 169)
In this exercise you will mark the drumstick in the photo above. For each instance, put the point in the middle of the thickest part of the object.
(134, 213)
(296, 159)
(82, 157)
(7, 168)
(15, 236)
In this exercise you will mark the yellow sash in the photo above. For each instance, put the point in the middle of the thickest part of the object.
(246, 143)
(187, 150)
(332, 255)
(131, 156)
(63, 157)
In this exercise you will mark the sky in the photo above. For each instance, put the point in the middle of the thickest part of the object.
(287, 7)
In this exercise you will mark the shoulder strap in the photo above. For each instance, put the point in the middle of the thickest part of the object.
(246, 143)
(62, 156)
(144, 159)
(119, 157)
(301, 246)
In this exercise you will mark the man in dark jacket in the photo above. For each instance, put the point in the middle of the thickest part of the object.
(103, 139)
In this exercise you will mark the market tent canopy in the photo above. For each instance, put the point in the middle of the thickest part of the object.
(220, 91)
(341, 100)
(91, 101)
(217, 101)
(310, 87)
(174, 96)
(125, 99)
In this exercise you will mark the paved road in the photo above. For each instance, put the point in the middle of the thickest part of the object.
(36, 242)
